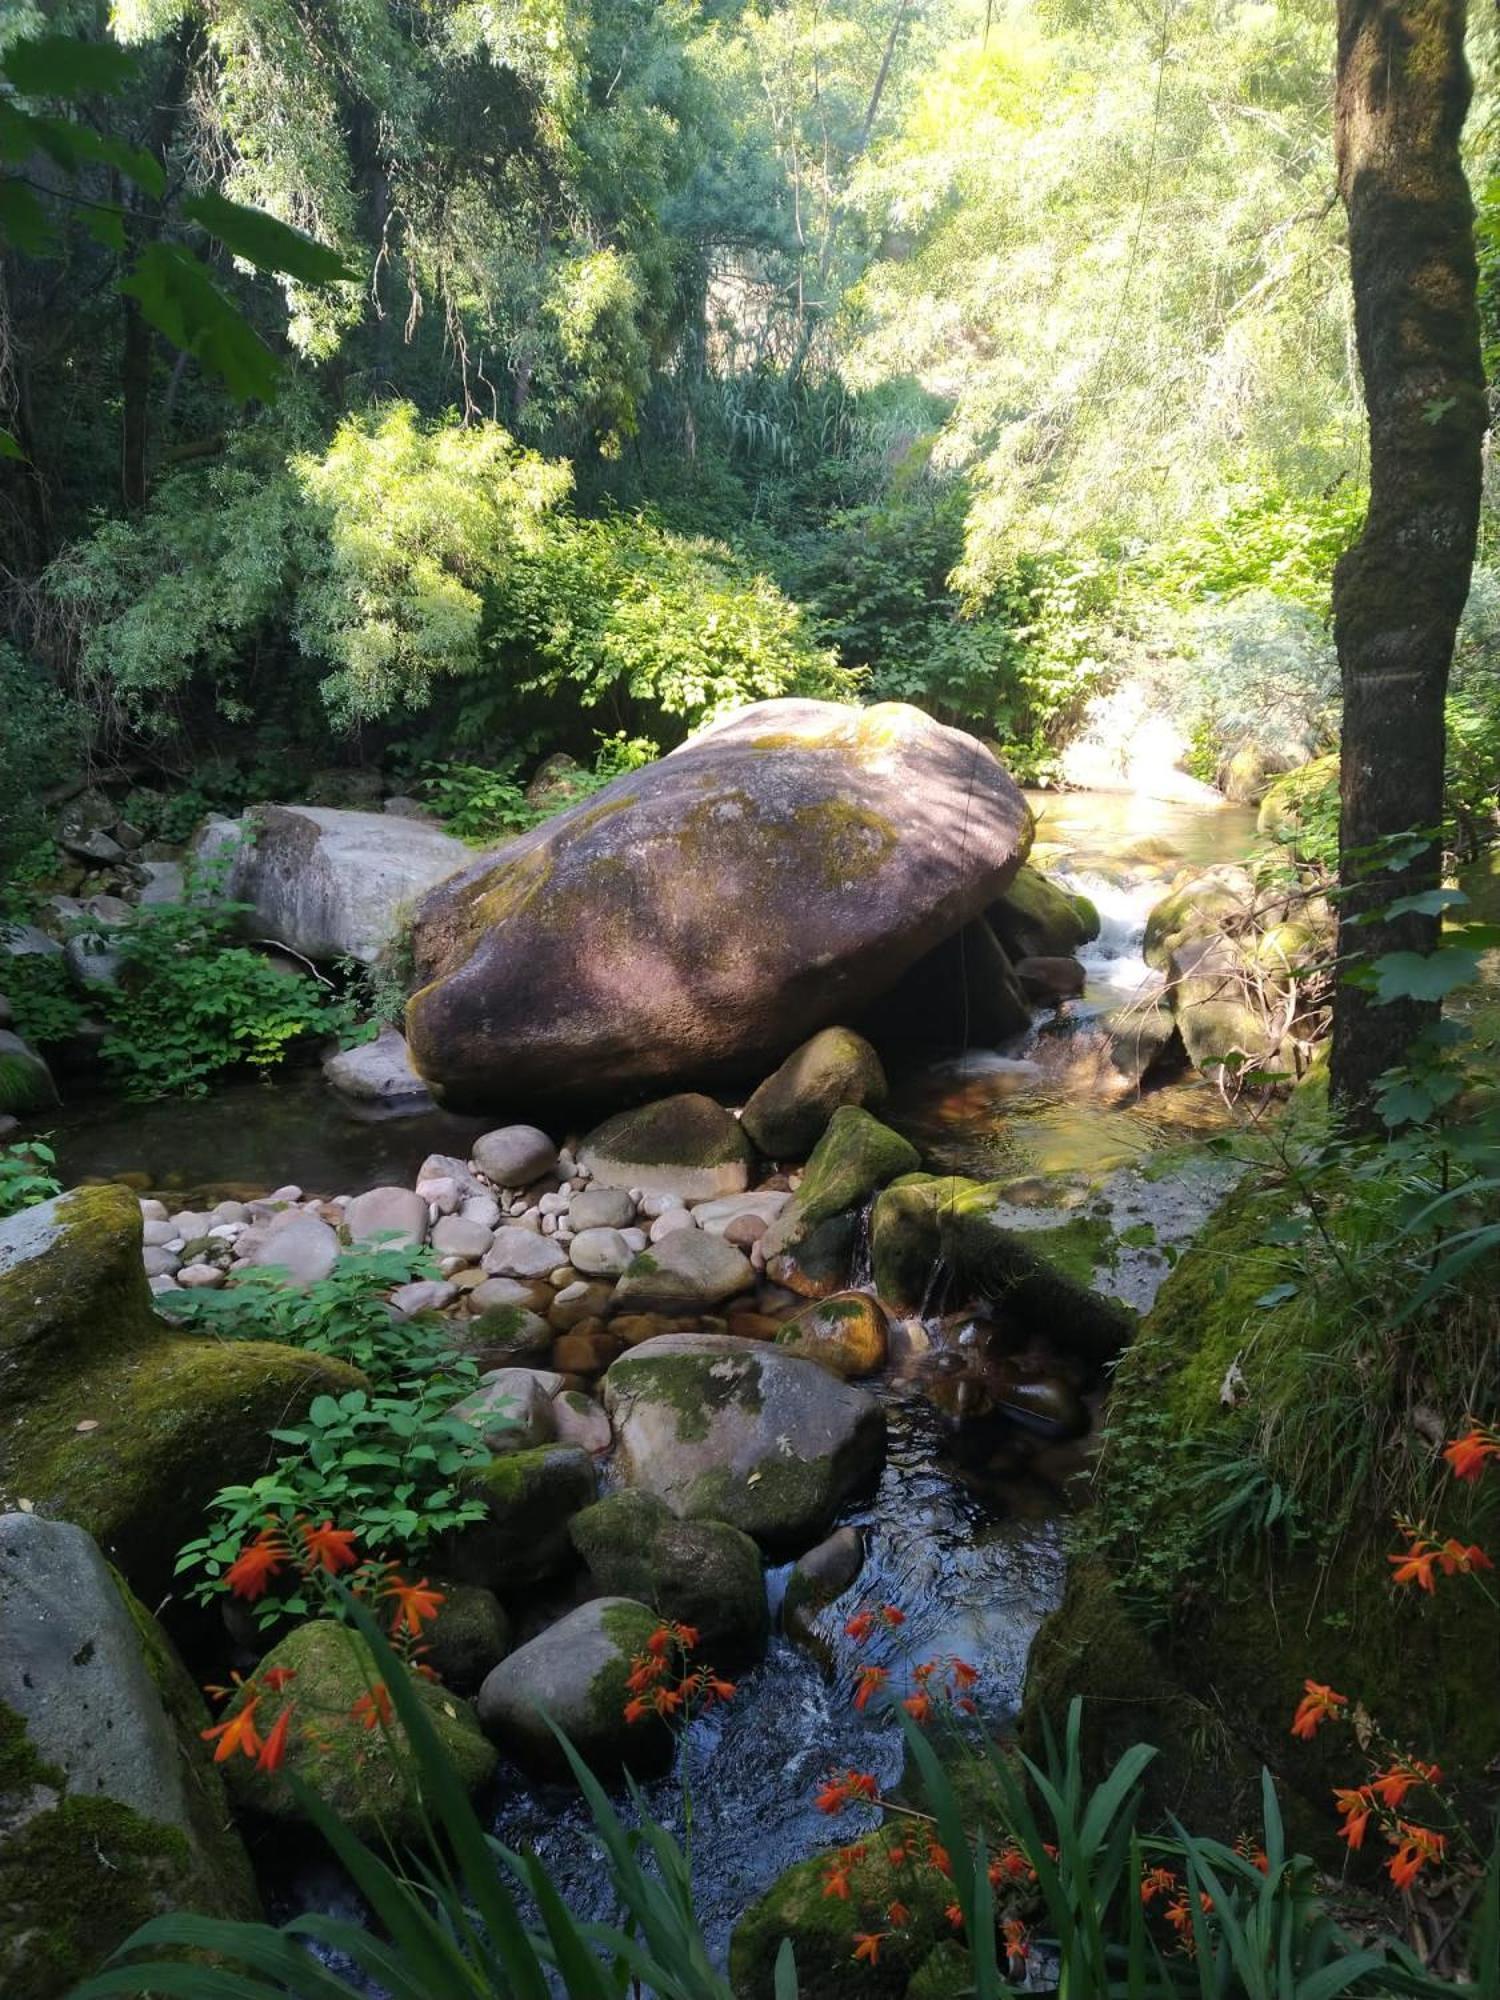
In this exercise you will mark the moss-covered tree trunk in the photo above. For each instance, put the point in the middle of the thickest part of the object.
(1403, 92)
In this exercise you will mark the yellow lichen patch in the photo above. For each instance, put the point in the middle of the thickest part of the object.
(846, 842)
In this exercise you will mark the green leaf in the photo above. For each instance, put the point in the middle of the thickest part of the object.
(63, 66)
(10, 449)
(23, 220)
(180, 300)
(260, 239)
(1278, 1295)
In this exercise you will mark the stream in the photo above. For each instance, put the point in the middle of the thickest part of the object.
(968, 1543)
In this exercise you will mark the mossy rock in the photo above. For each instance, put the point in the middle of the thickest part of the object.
(365, 1777)
(1210, 982)
(687, 1144)
(822, 1927)
(946, 1970)
(171, 1418)
(847, 1332)
(1201, 906)
(1308, 794)
(921, 1225)
(1037, 919)
(111, 1810)
(854, 1157)
(700, 1573)
(530, 1497)
(470, 1634)
(1213, 1678)
(25, 1081)
(789, 1113)
(575, 1675)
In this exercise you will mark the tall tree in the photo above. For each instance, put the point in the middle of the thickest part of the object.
(1403, 93)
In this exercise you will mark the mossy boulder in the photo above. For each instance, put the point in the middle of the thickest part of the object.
(111, 1810)
(25, 1081)
(847, 1332)
(575, 1675)
(734, 1430)
(1212, 1671)
(1035, 918)
(821, 1927)
(113, 1419)
(1301, 808)
(963, 992)
(364, 1776)
(854, 1157)
(529, 1498)
(688, 1271)
(688, 1145)
(920, 1226)
(709, 912)
(470, 1634)
(1202, 905)
(700, 1573)
(789, 1113)
(1215, 997)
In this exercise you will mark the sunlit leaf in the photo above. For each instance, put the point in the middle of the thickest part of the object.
(260, 239)
(1415, 975)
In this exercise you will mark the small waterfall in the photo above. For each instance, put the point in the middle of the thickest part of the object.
(1116, 970)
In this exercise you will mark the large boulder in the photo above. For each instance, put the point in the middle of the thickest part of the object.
(333, 884)
(25, 1081)
(734, 1430)
(686, 1145)
(364, 1775)
(110, 1418)
(574, 1675)
(700, 917)
(699, 1573)
(789, 1113)
(111, 1810)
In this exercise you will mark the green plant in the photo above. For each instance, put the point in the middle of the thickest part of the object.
(480, 803)
(25, 1178)
(44, 1004)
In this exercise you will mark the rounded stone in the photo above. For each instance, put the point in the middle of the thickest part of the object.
(514, 1156)
(387, 1218)
(601, 1208)
(600, 1253)
(574, 1675)
(456, 1236)
(518, 1252)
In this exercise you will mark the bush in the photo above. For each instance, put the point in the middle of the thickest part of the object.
(39, 744)
(26, 1177)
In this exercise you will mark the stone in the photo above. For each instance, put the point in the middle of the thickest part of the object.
(737, 1431)
(529, 1498)
(819, 1577)
(530, 1294)
(200, 1277)
(633, 1328)
(600, 1253)
(847, 1332)
(469, 1635)
(1200, 906)
(453, 1173)
(582, 1421)
(111, 1809)
(699, 1573)
(555, 782)
(481, 1208)
(683, 1272)
(92, 961)
(587, 1350)
(456, 1236)
(361, 1775)
(600, 1208)
(25, 1081)
(333, 884)
(303, 1247)
(674, 1219)
(387, 1218)
(511, 1408)
(1050, 981)
(1034, 918)
(166, 882)
(1213, 997)
(577, 1302)
(379, 1074)
(744, 1230)
(574, 1675)
(159, 1262)
(833, 823)
(422, 1295)
(790, 1111)
(499, 1335)
(514, 1156)
(688, 1145)
(764, 1204)
(517, 1252)
(854, 1157)
(1143, 1041)
(176, 1417)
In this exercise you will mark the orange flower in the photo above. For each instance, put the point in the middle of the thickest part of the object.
(253, 1568)
(955, 1915)
(686, 1635)
(643, 1671)
(862, 1784)
(833, 1797)
(1392, 1786)
(890, 1615)
(1456, 1559)
(1415, 1563)
(867, 1945)
(1156, 1882)
(1179, 1916)
(330, 1548)
(1017, 1939)
(415, 1604)
(276, 1678)
(897, 1915)
(236, 1732)
(660, 1642)
(1319, 1704)
(964, 1676)
(1415, 1847)
(918, 1706)
(860, 1626)
(868, 1681)
(666, 1701)
(1467, 1454)
(636, 1710)
(836, 1881)
(720, 1690)
(938, 1858)
(1356, 1807)
(373, 1708)
(273, 1750)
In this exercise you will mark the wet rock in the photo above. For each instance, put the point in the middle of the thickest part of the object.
(469, 1636)
(964, 992)
(820, 1576)
(1035, 918)
(379, 1074)
(514, 1156)
(1050, 981)
(1220, 1014)
(855, 1156)
(111, 1810)
(841, 842)
(574, 1675)
(683, 1272)
(699, 1573)
(363, 1777)
(387, 1218)
(686, 1145)
(529, 1498)
(577, 1302)
(845, 1332)
(587, 1350)
(738, 1431)
(761, 1205)
(790, 1111)
(1143, 1041)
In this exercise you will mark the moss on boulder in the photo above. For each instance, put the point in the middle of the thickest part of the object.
(1037, 919)
(470, 1634)
(700, 1573)
(789, 1113)
(365, 1777)
(575, 1675)
(855, 1156)
(170, 1418)
(689, 1145)
(530, 1497)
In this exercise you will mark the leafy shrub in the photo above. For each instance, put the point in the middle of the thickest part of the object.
(40, 742)
(487, 802)
(25, 1178)
(1269, 540)
(42, 997)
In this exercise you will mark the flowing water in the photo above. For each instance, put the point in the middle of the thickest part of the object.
(966, 1538)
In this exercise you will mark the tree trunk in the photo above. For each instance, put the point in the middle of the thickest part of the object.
(1403, 92)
